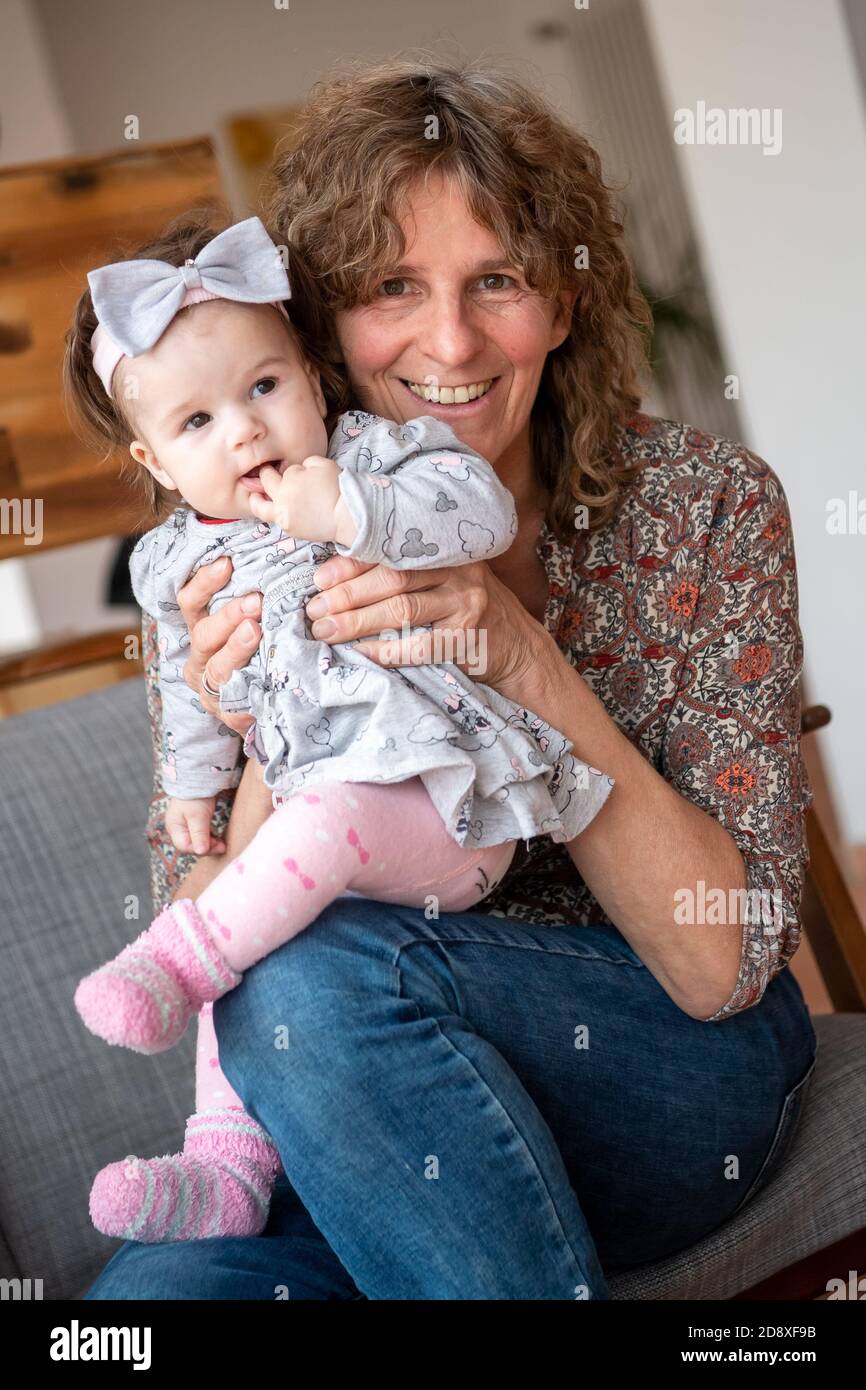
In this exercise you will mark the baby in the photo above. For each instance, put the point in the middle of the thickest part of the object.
(405, 785)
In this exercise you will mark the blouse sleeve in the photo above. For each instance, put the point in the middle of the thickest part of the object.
(168, 866)
(732, 738)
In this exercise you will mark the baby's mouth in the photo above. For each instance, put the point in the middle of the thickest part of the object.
(251, 480)
(279, 464)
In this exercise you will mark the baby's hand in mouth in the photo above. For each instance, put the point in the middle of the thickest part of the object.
(303, 499)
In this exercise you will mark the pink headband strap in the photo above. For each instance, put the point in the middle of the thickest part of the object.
(107, 354)
(135, 301)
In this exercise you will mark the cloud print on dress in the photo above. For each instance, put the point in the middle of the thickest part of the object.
(349, 678)
(435, 728)
(454, 466)
(476, 540)
(431, 728)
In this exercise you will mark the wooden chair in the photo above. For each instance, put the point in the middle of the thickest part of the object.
(830, 918)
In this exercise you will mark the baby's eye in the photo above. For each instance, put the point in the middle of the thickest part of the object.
(268, 382)
(199, 415)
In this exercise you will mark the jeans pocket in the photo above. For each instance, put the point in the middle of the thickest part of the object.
(792, 1108)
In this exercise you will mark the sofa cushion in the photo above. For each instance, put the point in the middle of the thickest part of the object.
(76, 781)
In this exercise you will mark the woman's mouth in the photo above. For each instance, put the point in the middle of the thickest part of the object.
(251, 481)
(458, 398)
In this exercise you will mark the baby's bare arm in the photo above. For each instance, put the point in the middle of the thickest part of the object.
(250, 809)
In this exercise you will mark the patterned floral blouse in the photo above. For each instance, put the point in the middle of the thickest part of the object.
(681, 613)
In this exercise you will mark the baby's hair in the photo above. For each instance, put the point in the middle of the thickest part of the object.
(105, 424)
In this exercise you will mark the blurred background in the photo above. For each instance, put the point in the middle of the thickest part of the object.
(114, 113)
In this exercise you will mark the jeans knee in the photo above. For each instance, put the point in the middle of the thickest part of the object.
(312, 983)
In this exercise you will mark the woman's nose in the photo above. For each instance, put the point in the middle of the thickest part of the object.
(449, 332)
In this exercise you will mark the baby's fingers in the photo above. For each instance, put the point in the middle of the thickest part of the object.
(260, 506)
(271, 478)
(190, 838)
(180, 837)
(195, 824)
(200, 836)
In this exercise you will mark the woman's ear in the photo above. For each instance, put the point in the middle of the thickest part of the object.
(148, 460)
(561, 325)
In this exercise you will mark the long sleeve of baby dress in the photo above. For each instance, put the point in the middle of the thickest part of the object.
(419, 498)
(199, 752)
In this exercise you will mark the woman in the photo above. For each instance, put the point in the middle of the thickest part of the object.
(514, 1102)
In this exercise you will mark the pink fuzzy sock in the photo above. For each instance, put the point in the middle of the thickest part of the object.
(145, 997)
(220, 1185)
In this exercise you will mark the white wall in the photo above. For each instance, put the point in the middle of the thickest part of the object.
(783, 240)
(34, 121)
(182, 65)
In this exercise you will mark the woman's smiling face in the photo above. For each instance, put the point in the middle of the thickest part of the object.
(454, 331)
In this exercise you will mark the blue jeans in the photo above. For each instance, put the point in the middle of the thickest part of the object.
(477, 1108)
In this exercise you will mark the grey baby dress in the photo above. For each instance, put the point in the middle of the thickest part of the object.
(419, 498)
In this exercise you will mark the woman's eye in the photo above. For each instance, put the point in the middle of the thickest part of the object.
(268, 382)
(386, 287)
(498, 281)
(199, 415)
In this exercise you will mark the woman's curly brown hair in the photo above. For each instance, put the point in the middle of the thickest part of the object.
(337, 192)
(108, 424)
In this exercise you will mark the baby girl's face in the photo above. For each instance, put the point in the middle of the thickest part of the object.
(224, 390)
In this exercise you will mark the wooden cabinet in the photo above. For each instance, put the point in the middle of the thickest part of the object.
(59, 219)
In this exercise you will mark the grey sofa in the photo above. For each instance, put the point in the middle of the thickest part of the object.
(75, 781)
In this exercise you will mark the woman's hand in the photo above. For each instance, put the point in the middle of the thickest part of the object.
(478, 623)
(219, 643)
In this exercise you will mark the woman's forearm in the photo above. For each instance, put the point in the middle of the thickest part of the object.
(203, 872)
(647, 842)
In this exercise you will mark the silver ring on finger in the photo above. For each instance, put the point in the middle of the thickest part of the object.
(207, 687)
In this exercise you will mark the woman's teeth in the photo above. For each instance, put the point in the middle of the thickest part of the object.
(451, 395)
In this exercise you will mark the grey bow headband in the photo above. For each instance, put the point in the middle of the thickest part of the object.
(135, 301)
